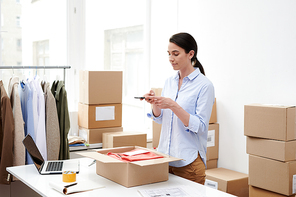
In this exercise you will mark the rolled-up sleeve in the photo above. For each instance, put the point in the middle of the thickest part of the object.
(157, 119)
(199, 122)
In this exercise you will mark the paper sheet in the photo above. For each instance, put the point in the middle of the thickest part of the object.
(180, 191)
(80, 187)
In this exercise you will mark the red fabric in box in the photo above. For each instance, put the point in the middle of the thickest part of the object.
(137, 157)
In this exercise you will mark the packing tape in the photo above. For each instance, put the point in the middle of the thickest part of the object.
(69, 176)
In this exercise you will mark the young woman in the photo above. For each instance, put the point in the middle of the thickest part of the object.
(184, 109)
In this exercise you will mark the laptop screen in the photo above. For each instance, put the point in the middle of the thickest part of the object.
(33, 151)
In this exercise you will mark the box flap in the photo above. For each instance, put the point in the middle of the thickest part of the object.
(100, 157)
(155, 161)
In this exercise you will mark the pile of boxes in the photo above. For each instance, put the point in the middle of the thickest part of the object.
(271, 145)
(213, 140)
(100, 111)
(225, 180)
(100, 104)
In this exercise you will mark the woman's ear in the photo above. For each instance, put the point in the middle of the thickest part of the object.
(191, 54)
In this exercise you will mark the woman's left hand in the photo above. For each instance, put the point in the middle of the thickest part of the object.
(163, 102)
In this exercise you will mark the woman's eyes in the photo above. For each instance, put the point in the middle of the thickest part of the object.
(174, 54)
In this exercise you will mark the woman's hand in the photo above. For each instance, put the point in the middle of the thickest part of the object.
(163, 102)
(149, 96)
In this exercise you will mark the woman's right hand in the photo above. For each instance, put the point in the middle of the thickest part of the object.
(149, 96)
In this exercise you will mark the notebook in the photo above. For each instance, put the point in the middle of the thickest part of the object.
(48, 167)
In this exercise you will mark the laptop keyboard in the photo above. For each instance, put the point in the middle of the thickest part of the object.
(54, 166)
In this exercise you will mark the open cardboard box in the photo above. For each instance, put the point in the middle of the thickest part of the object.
(132, 173)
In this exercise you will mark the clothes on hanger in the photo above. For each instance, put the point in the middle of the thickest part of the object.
(59, 92)
(19, 151)
(6, 136)
(40, 134)
(26, 98)
(51, 123)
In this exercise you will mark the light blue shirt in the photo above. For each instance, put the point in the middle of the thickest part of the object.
(196, 96)
(27, 111)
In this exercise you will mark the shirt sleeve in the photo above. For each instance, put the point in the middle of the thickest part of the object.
(199, 122)
(154, 118)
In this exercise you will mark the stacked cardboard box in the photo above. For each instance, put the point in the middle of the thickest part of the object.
(121, 139)
(271, 145)
(213, 140)
(228, 181)
(213, 135)
(100, 104)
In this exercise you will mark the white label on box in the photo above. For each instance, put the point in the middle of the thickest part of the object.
(105, 113)
(211, 138)
(211, 184)
(294, 184)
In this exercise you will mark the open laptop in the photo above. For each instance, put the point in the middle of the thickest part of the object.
(48, 167)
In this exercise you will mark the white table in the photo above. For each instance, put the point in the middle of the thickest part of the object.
(40, 183)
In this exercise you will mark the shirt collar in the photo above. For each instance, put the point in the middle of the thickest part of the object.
(191, 76)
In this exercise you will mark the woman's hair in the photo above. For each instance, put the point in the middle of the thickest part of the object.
(188, 43)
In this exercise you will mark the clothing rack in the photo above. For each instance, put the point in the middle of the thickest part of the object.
(38, 67)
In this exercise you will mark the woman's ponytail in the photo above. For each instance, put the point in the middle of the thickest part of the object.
(198, 65)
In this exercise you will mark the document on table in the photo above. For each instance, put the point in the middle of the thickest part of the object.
(80, 186)
(180, 191)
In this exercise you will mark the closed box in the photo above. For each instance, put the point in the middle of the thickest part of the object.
(258, 192)
(99, 116)
(213, 142)
(272, 175)
(93, 136)
(131, 174)
(273, 149)
(270, 121)
(120, 139)
(100, 87)
(156, 128)
(213, 118)
(229, 181)
(212, 163)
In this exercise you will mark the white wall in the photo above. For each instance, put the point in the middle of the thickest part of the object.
(248, 50)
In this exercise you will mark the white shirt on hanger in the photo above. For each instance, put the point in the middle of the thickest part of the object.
(39, 109)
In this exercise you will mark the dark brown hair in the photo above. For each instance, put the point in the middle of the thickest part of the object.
(188, 43)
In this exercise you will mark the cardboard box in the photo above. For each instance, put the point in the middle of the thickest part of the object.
(229, 181)
(93, 136)
(99, 116)
(156, 128)
(273, 149)
(212, 164)
(100, 87)
(272, 175)
(213, 142)
(213, 118)
(120, 139)
(271, 122)
(132, 173)
(258, 192)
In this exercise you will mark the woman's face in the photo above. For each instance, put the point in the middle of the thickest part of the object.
(178, 57)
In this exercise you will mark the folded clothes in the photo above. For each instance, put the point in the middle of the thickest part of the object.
(134, 155)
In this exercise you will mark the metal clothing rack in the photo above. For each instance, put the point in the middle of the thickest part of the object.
(38, 67)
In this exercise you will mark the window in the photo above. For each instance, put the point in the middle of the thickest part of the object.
(19, 44)
(124, 51)
(18, 21)
(41, 53)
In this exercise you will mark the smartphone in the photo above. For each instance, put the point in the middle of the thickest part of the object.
(139, 97)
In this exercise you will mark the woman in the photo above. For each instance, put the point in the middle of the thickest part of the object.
(184, 110)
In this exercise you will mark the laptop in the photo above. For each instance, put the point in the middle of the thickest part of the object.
(48, 167)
